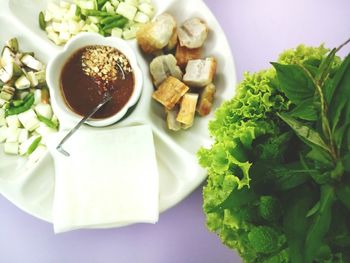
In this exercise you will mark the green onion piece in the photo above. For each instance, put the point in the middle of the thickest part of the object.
(110, 19)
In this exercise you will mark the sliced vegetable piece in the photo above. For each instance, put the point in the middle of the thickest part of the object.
(11, 148)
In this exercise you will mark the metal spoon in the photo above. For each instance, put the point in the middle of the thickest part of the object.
(107, 97)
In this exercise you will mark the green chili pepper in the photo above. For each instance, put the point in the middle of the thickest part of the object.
(34, 145)
(49, 123)
(28, 103)
(17, 103)
(119, 23)
(110, 19)
(86, 12)
(42, 22)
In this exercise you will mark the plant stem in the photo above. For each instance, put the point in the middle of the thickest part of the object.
(325, 123)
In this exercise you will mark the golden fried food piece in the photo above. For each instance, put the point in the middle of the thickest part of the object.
(206, 98)
(184, 54)
(187, 109)
(170, 92)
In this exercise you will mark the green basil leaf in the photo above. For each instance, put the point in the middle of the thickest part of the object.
(320, 225)
(304, 132)
(341, 91)
(294, 83)
(305, 110)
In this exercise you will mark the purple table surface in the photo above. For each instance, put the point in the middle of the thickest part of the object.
(257, 31)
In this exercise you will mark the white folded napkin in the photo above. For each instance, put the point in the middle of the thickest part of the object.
(110, 178)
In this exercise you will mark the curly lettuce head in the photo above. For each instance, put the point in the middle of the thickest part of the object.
(245, 128)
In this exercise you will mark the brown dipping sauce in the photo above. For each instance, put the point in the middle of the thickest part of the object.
(83, 92)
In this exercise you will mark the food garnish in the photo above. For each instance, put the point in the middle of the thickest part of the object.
(278, 185)
(26, 117)
(118, 18)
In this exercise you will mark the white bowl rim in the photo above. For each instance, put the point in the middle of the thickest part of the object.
(95, 39)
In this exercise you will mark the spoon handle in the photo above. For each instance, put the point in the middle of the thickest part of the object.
(76, 127)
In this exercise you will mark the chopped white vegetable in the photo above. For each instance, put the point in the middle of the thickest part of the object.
(23, 135)
(108, 7)
(12, 121)
(31, 62)
(126, 10)
(132, 2)
(12, 134)
(7, 57)
(32, 78)
(6, 73)
(29, 120)
(115, 3)
(64, 35)
(141, 17)
(22, 83)
(87, 4)
(44, 110)
(117, 32)
(64, 4)
(11, 148)
(146, 8)
(2, 117)
(48, 16)
(43, 130)
(37, 96)
(3, 133)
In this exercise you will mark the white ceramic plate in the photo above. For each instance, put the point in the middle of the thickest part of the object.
(32, 188)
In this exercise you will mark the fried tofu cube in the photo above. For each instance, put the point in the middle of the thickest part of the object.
(187, 109)
(200, 72)
(171, 121)
(184, 54)
(206, 98)
(170, 92)
(156, 35)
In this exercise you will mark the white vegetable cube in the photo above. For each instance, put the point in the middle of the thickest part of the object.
(93, 19)
(108, 7)
(126, 10)
(29, 120)
(2, 102)
(23, 135)
(12, 134)
(44, 110)
(38, 154)
(11, 148)
(32, 78)
(48, 16)
(115, 3)
(141, 17)
(64, 4)
(2, 117)
(56, 26)
(37, 96)
(54, 37)
(3, 133)
(13, 121)
(64, 35)
(117, 32)
(72, 12)
(7, 57)
(84, 4)
(73, 27)
(22, 83)
(132, 2)
(147, 8)
(31, 62)
(43, 130)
